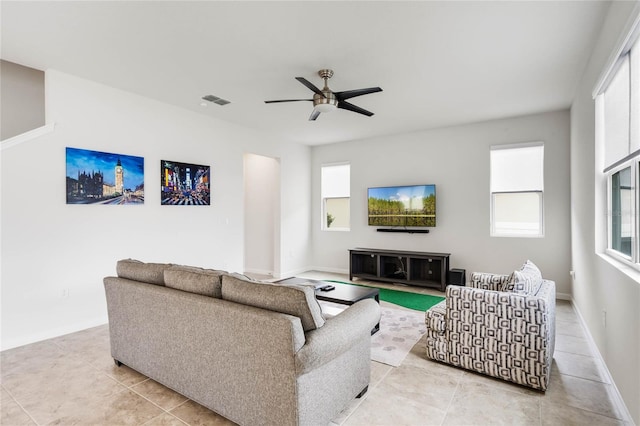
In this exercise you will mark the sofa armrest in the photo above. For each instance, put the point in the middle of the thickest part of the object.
(337, 335)
(487, 281)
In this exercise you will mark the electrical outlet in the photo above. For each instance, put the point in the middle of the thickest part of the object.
(65, 293)
(604, 318)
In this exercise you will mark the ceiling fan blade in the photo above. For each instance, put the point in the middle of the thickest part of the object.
(287, 100)
(351, 107)
(347, 94)
(310, 85)
(314, 114)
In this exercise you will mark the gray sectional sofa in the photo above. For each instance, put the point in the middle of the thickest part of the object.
(256, 353)
(499, 325)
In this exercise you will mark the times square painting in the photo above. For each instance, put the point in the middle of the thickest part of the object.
(95, 177)
(184, 184)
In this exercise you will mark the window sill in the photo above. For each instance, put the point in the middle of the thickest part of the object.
(630, 270)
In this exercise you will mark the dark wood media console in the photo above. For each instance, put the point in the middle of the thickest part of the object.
(406, 267)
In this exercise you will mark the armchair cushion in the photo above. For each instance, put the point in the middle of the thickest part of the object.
(488, 281)
(525, 281)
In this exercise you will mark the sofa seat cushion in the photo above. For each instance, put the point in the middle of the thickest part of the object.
(525, 281)
(207, 282)
(297, 300)
(136, 270)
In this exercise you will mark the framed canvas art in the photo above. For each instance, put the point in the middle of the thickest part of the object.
(184, 184)
(95, 177)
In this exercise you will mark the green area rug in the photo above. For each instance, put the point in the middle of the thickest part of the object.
(419, 302)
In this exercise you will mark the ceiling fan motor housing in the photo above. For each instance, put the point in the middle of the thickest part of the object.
(327, 103)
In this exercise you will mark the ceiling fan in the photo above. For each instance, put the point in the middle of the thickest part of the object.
(326, 101)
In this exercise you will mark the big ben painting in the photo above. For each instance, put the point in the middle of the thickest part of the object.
(95, 177)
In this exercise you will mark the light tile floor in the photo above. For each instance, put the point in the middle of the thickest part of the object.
(72, 380)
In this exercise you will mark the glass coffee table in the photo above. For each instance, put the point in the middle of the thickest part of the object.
(343, 294)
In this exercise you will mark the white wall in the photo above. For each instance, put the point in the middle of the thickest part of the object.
(49, 247)
(22, 99)
(600, 285)
(295, 212)
(456, 159)
(261, 213)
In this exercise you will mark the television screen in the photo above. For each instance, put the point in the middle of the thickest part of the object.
(413, 205)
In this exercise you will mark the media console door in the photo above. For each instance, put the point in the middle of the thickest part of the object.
(406, 267)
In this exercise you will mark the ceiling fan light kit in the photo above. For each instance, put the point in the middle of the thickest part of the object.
(326, 101)
(325, 104)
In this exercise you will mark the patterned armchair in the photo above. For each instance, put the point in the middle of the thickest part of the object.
(499, 325)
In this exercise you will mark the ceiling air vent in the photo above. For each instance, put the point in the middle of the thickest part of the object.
(216, 100)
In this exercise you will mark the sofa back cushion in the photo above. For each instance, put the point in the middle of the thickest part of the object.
(207, 282)
(527, 280)
(136, 270)
(297, 300)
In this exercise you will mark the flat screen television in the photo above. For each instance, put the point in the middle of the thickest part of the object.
(402, 206)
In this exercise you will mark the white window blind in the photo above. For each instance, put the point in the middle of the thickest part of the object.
(616, 115)
(634, 108)
(336, 181)
(517, 168)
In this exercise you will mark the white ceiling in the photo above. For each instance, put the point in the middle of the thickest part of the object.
(439, 63)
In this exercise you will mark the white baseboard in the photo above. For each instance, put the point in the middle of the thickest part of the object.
(292, 272)
(298, 271)
(564, 296)
(616, 397)
(50, 334)
(331, 270)
(258, 271)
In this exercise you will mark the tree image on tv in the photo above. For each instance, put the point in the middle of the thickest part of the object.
(402, 206)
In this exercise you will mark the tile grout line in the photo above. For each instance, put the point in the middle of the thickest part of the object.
(20, 405)
(612, 389)
(594, 412)
(580, 377)
(365, 396)
(453, 395)
(164, 411)
(123, 385)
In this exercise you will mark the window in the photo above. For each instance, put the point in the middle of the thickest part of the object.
(621, 212)
(517, 189)
(335, 182)
(617, 98)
